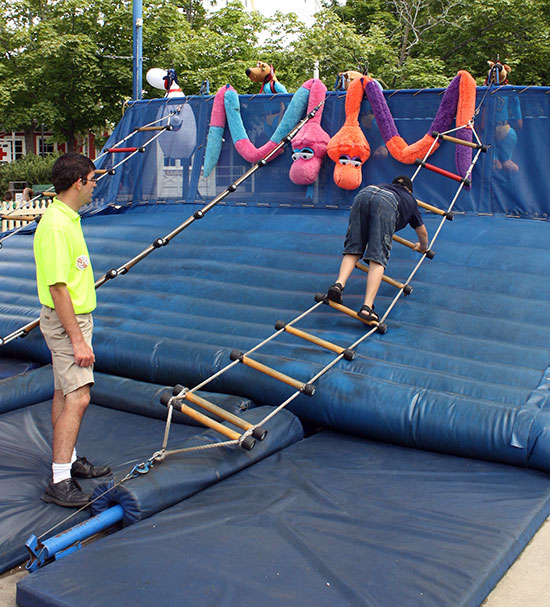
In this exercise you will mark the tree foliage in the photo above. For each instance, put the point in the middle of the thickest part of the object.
(32, 169)
(458, 34)
(67, 64)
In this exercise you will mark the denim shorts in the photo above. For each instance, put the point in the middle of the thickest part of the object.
(371, 225)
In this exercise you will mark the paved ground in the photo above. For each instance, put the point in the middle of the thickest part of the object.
(526, 584)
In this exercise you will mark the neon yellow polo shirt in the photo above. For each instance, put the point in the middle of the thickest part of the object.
(61, 256)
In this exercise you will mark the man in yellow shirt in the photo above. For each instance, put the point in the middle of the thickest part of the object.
(66, 291)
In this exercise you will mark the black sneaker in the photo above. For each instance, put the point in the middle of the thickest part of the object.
(66, 493)
(82, 468)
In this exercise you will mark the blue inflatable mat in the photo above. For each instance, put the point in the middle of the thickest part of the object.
(331, 520)
(121, 439)
(462, 368)
(11, 366)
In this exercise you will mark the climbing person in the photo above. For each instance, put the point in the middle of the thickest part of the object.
(378, 211)
(66, 291)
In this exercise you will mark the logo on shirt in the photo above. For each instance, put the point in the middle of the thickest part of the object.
(82, 262)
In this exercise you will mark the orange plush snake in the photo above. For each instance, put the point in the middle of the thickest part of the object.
(349, 148)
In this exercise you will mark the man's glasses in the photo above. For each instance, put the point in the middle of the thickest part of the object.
(85, 181)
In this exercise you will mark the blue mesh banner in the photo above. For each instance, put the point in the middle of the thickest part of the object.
(511, 178)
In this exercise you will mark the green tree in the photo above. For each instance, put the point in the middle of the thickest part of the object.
(336, 46)
(68, 64)
(518, 32)
(220, 50)
(364, 14)
(432, 40)
(55, 68)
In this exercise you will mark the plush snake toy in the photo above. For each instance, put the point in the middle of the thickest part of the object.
(309, 144)
(349, 148)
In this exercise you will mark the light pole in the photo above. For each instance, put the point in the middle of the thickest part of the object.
(138, 47)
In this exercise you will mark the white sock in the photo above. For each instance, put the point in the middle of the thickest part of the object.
(61, 472)
(73, 457)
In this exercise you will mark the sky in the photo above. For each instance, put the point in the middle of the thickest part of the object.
(305, 9)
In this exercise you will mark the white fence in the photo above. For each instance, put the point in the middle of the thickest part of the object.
(16, 214)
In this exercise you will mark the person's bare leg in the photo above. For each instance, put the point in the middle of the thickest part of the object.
(68, 422)
(58, 402)
(374, 278)
(346, 268)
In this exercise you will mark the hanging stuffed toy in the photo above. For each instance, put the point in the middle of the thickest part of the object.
(458, 100)
(181, 140)
(349, 148)
(507, 109)
(226, 109)
(264, 73)
(309, 146)
(344, 79)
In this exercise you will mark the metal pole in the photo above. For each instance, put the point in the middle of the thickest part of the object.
(56, 546)
(138, 47)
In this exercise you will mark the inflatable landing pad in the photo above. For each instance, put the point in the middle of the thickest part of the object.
(119, 438)
(331, 520)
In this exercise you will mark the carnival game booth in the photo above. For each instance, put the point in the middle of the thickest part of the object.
(427, 446)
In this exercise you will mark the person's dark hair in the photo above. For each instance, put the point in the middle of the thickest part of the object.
(68, 169)
(8, 195)
(404, 181)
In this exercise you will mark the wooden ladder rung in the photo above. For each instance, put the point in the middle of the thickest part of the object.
(381, 327)
(166, 398)
(429, 253)
(257, 432)
(125, 150)
(407, 289)
(166, 127)
(429, 207)
(348, 354)
(440, 171)
(307, 389)
(468, 144)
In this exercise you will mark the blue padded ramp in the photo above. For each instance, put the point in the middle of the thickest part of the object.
(332, 520)
(26, 388)
(182, 475)
(143, 398)
(462, 368)
(115, 437)
(10, 366)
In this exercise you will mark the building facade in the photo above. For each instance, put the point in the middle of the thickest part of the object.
(13, 145)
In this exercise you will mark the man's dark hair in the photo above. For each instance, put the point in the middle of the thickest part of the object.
(8, 195)
(404, 181)
(68, 169)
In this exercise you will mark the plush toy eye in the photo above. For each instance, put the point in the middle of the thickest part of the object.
(344, 159)
(305, 154)
(356, 161)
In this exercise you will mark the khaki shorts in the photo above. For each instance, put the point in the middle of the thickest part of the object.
(68, 376)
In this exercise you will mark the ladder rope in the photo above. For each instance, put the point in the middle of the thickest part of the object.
(27, 204)
(368, 333)
(160, 242)
(159, 456)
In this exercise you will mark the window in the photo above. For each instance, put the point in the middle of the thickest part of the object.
(44, 147)
(18, 148)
